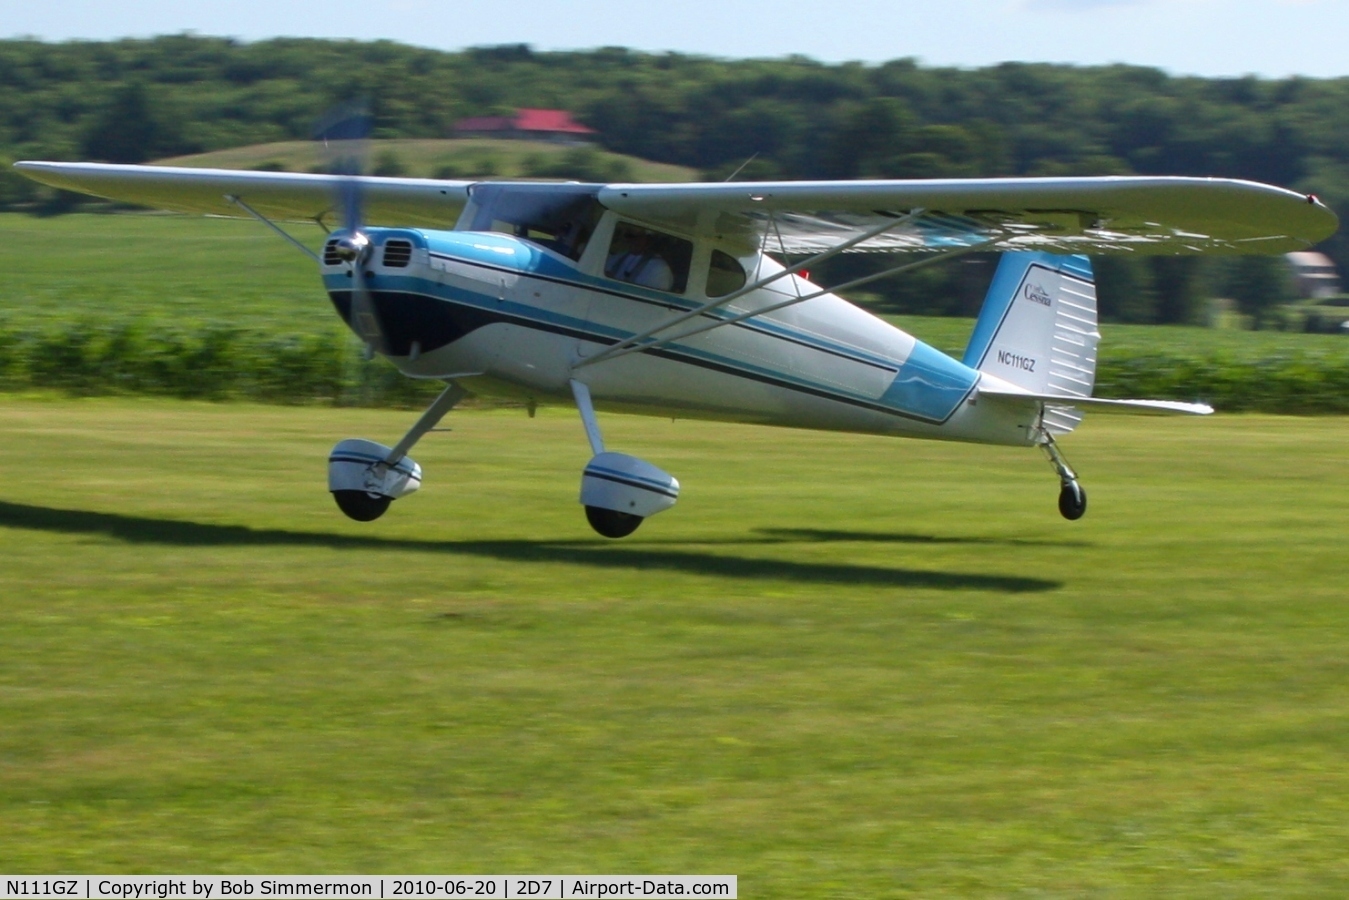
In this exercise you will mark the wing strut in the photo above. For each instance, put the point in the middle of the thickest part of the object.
(792, 301)
(636, 342)
(648, 341)
(239, 202)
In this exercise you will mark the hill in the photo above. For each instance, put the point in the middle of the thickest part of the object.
(440, 158)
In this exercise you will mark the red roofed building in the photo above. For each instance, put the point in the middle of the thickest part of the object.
(527, 125)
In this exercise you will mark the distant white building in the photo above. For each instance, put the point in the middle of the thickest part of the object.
(1314, 273)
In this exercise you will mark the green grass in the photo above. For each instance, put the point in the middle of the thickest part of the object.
(842, 666)
(422, 158)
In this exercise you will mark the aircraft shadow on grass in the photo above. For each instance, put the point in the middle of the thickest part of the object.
(175, 532)
(825, 536)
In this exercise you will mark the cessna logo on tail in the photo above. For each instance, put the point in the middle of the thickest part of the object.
(1036, 294)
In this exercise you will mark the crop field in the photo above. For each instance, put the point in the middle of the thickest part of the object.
(842, 666)
(1122, 342)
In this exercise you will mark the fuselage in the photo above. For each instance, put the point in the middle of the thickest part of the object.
(511, 314)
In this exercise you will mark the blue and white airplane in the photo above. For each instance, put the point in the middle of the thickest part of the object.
(691, 300)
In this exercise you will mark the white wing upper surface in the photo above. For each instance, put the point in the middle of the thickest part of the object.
(1157, 215)
(1151, 215)
(279, 195)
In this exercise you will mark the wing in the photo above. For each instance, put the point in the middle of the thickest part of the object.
(1055, 215)
(278, 195)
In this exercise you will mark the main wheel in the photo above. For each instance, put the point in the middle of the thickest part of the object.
(1072, 501)
(362, 505)
(611, 523)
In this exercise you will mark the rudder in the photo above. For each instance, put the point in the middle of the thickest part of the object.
(1037, 329)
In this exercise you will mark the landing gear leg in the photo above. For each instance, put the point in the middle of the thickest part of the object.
(448, 400)
(365, 477)
(1072, 496)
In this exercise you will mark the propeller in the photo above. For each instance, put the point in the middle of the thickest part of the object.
(345, 134)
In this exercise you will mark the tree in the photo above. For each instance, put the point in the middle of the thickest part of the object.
(130, 130)
(1177, 284)
(1124, 289)
(1259, 284)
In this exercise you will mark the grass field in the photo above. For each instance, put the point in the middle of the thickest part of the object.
(187, 269)
(176, 269)
(840, 667)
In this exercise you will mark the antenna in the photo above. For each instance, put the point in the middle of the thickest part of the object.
(731, 177)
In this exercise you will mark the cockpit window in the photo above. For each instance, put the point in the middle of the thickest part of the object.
(649, 258)
(724, 275)
(559, 217)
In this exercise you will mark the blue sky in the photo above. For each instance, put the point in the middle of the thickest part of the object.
(1272, 38)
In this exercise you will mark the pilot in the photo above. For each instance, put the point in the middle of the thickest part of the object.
(641, 264)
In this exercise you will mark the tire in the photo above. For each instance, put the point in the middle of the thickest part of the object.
(611, 523)
(1072, 501)
(362, 506)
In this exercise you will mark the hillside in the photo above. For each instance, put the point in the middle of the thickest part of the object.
(432, 158)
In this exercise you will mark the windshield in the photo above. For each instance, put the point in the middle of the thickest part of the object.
(558, 217)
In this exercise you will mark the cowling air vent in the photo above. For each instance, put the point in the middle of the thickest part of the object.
(397, 253)
(330, 257)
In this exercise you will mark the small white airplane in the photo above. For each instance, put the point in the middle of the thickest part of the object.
(683, 300)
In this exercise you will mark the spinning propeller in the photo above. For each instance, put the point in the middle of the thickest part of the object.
(345, 134)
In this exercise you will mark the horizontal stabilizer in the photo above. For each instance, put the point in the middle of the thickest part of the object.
(1098, 404)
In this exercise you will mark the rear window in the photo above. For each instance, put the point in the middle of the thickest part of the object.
(725, 275)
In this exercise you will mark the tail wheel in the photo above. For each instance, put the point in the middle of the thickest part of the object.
(611, 523)
(362, 505)
(1072, 501)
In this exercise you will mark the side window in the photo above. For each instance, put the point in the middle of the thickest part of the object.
(649, 258)
(567, 236)
(724, 275)
(560, 218)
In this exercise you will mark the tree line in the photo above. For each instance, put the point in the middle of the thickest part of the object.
(792, 118)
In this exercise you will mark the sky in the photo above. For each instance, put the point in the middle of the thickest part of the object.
(1270, 38)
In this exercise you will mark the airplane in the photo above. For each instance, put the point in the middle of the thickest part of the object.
(694, 300)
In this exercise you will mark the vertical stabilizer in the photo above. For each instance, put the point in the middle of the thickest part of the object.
(1037, 330)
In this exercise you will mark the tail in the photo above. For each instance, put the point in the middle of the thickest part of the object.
(1037, 331)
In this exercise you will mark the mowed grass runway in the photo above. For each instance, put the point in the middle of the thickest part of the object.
(842, 666)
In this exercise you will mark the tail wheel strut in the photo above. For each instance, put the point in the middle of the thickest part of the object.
(1072, 496)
